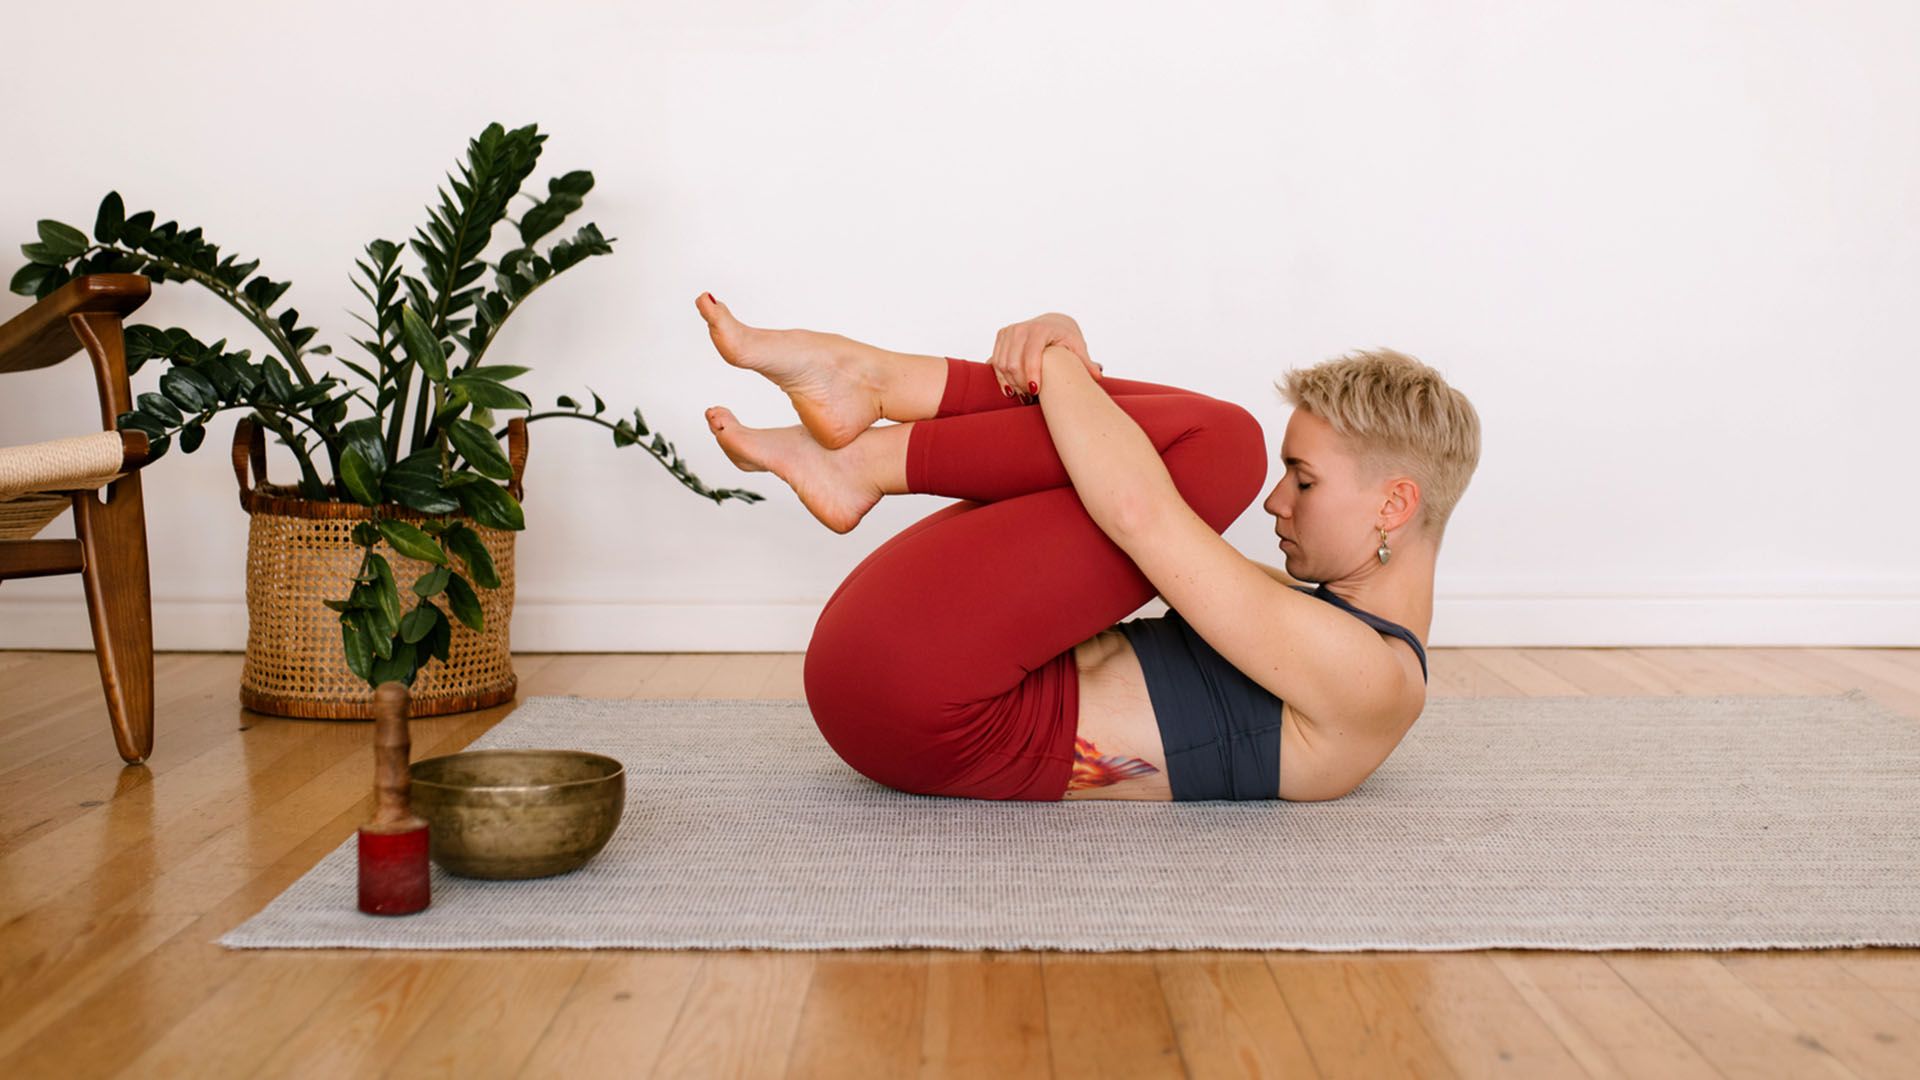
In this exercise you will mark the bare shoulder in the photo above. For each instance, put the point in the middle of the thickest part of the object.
(1331, 754)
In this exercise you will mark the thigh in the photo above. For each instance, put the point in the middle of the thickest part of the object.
(944, 672)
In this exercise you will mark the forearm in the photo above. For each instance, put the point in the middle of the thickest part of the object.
(1115, 468)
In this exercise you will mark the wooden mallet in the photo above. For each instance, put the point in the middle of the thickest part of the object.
(393, 846)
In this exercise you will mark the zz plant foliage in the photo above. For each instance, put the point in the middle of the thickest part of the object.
(427, 401)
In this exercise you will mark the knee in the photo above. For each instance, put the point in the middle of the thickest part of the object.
(1236, 464)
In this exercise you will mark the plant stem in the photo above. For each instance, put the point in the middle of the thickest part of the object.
(238, 302)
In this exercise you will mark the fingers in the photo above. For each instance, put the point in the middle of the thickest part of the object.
(1008, 365)
(1035, 345)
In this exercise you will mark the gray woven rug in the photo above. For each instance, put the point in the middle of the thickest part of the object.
(1565, 823)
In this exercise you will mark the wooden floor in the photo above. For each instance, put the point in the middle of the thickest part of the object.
(115, 882)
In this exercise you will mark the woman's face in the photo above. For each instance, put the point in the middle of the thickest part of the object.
(1326, 523)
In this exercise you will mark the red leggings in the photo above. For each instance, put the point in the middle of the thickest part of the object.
(943, 664)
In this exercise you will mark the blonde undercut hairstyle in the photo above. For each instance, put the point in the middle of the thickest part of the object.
(1397, 416)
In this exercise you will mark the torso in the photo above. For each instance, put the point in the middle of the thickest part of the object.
(1116, 716)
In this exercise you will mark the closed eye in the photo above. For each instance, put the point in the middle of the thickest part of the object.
(1304, 487)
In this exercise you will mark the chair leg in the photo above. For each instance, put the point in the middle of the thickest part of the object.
(113, 539)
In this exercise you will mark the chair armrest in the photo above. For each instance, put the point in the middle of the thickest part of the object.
(85, 312)
(42, 336)
(77, 463)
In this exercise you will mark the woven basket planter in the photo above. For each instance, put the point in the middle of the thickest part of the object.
(301, 552)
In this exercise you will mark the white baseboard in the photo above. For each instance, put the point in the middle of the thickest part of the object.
(1460, 620)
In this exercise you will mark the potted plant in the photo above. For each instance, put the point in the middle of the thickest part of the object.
(401, 522)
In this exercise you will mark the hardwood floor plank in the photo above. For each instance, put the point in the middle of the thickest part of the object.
(368, 1021)
(1229, 1016)
(1834, 1009)
(1604, 1024)
(1482, 1024)
(614, 1023)
(862, 1015)
(1732, 1026)
(1107, 1016)
(1354, 1017)
(787, 682)
(1586, 669)
(499, 1007)
(986, 1017)
(235, 1030)
(681, 676)
(740, 1014)
(1519, 668)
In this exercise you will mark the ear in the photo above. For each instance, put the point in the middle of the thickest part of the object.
(1402, 502)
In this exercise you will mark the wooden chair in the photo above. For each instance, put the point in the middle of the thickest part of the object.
(40, 481)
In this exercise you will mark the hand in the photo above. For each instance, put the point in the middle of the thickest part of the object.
(1017, 349)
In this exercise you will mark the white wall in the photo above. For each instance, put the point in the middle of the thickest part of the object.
(1667, 249)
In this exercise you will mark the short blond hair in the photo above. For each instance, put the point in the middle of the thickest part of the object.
(1398, 417)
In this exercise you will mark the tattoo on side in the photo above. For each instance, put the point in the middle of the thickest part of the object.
(1091, 768)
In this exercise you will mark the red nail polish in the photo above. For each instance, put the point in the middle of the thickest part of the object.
(1007, 390)
(1033, 388)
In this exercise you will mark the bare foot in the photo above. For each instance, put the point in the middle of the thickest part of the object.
(825, 481)
(821, 373)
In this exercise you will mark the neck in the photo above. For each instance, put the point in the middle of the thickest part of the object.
(1400, 591)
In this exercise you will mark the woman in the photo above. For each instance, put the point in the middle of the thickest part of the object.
(976, 652)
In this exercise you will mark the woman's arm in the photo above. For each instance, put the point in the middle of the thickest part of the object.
(1114, 466)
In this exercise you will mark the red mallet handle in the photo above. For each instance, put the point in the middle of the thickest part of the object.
(393, 846)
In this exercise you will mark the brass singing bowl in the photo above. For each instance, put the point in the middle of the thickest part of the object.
(517, 813)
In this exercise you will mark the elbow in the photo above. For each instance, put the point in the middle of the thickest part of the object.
(1129, 519)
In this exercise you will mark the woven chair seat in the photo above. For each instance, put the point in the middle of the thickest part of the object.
(29, 474)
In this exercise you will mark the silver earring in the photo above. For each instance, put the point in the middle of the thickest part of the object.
(1384, 551)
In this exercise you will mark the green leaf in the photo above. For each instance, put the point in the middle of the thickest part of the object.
(497, 372)
(415, 482)
(192, 436)
(361, 479)
(364, 434)
(565, 402)
(466, 606)
(64, 241)
(479, 447)
(139, 421)
(28, 278)
(386, 592)
(134, 232)
(365, 535)
(419, 622)
(472, 550)
(439, 641)
(491, 505)
(353, 634)
(410, 540)
(577, 182)
(488, 393)
(189, 389)
(423, 348)
(433, 582)
(396, 668)
(160, 408)
(112, 215)
(279, 384)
